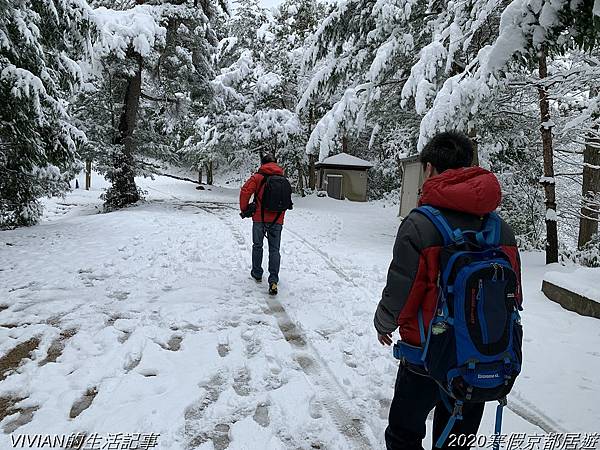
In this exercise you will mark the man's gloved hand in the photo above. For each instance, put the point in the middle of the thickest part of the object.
(385, 339)
(249, 212)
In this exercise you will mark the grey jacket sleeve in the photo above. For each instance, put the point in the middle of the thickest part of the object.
(401, 276)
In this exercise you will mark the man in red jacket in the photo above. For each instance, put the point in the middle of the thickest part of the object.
(263, 223)
(465, 195)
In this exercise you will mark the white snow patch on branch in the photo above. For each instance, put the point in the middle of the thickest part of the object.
(118, 30)
(328, 128)
(461, 95)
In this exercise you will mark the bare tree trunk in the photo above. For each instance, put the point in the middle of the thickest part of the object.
(548, 182)
(209, 173)
(88, 174)
(588, 222)
(300, 178)
(200, 175)
(344, 144)
(473, 136)
(312, 181)
(124, 190)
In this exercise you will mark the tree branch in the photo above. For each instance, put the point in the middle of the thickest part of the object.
(154, 99)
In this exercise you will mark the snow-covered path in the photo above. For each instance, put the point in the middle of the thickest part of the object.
(146, 321)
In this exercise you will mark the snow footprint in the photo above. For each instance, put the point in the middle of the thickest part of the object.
(261, 415)
(273, 379)
(253, 345)
(241, 382)
(213, 389)
(194, 414)
(223, 350)
(349, 359)
(173, 344)
(58, 345)
(83, 403)
(220, 437)
(8, 407)
(12, 360)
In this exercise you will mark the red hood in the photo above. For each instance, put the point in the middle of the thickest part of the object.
(472, 190)
(271, 169)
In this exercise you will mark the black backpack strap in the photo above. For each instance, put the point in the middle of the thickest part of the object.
(261, 186)
(264, 180)
(276, 218)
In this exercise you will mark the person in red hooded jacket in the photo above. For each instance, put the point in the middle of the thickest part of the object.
(264, 223)
(465, 195)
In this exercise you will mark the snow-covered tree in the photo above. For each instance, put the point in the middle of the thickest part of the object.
(360, 59)
(529, 32)
(39, 45)
(256, 91)
(148, 80)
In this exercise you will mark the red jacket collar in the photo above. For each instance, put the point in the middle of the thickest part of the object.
(472, 190)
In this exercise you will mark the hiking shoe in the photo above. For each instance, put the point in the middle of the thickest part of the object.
(273, 288)
(257, 279)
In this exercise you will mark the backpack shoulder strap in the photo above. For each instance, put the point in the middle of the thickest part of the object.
(440, 222)
(489, 236)
(263, 181)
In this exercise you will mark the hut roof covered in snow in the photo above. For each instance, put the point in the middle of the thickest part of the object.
(345, 160)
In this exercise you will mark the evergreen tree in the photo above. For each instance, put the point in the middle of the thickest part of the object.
(256, 92)
(148, 82)
(39, 44)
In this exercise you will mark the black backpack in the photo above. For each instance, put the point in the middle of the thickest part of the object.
(277, 195)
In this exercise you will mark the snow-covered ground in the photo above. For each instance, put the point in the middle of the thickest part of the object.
(145, 320)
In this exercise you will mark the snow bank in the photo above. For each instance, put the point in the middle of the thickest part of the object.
(583, 281)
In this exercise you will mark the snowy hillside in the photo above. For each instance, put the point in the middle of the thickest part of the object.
(145, 320)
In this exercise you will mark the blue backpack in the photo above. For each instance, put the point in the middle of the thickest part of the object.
(473, 345)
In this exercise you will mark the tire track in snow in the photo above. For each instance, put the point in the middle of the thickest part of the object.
(338, 407)
(529, 412)
(332, 396)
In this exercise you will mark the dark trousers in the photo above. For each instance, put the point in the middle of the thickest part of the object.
(414, 397)
(273, 234)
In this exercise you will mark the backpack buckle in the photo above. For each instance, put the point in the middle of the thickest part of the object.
(458, 236)
(458, 406)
